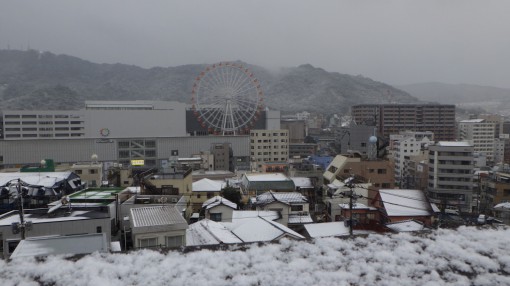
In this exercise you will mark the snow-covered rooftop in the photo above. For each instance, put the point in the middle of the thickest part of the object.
(270, 215)
(69, 244)
(258, 177)
(208, 232)
(402, 202)
(302, 182)
(472, 121)
(260, 229)
(406, 225)
(505, 205)
(324, 229)
(216, 201)
(207, 185)
(454, 144)
(286, 198)
(45, 179)
(35, 218)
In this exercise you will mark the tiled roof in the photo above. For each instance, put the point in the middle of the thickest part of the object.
(300, 219)
(216, 201)
(401, 202)
(156, 216)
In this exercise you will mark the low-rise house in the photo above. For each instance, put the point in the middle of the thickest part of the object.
(62, 221)
(204, 190)
(219, 209)
(90, 173)
(378, 172)
(293, 207)
(362, 215)
(400, 205)
(502, 212)
(157, 226)
(258, 183)
(109, 198)
(139, 201)
(171, 182)
(244, 230)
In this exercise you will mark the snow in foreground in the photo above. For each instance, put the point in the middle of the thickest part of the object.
(445, 257)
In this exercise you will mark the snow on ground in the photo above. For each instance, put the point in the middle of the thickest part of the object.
(467, 256)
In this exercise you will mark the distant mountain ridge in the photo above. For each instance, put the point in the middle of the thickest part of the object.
(468, 96)
(34, 80)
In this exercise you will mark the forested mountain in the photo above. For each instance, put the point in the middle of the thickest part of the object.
(42, 80)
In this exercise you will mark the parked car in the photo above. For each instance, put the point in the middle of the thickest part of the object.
(482, 219)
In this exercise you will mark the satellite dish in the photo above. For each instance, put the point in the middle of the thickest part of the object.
(163, 200)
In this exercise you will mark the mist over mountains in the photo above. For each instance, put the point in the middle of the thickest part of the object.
(35, 80)
(465, 96)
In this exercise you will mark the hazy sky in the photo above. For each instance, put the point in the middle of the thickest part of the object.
(398, 42)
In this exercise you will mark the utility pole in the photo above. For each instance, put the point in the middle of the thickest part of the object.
(20, 210)
(23, 225)
(352, 198)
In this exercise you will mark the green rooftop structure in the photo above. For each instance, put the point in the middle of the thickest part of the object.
(94, 196)
(47, 165)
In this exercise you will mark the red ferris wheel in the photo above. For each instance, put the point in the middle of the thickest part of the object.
(226, 98)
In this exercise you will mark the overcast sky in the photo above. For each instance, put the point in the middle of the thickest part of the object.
(398, 42)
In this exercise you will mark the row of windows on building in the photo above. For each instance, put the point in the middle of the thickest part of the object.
(48, 135)
(170, 241)
(44, 129)
(42, 116)
(270, 147)
(43, 122)
(269, 134)
(268, 140)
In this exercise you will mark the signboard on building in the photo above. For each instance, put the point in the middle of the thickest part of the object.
(137, 162)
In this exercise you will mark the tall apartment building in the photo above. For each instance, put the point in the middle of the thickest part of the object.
(392, 118)
(268, 146)
(450, 175)
(498, 121)
(480, 134)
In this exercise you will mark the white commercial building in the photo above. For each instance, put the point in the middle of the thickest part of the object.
(450, 175)
(99, 119)
(116, 131)
(405, 145)
(268, 146)
(481, 134)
